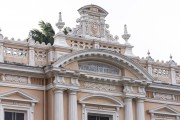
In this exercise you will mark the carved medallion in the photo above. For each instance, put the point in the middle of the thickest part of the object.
(94, 28)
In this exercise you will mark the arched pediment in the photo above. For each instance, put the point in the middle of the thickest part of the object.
(104, 55)
(93, 9)
(104, 100)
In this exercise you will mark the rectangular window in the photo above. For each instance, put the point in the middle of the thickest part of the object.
(98, 117)
(11, 115)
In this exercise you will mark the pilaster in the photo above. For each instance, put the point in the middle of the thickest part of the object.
(149, 69)
(173, 76)
(31, 56)
(32, 111)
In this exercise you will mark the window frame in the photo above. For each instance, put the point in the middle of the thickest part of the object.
(16, 111)
(26, 109)
(87, 111)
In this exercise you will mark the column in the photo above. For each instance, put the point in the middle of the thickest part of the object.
(59, 111)
(140, 109)
(128, 109)
(72, 105)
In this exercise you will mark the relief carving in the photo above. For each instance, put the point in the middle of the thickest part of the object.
(100, 87)
(16, 79)
(163, 96)
(128, 89)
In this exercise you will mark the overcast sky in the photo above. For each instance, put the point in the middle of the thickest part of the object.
(154, 25)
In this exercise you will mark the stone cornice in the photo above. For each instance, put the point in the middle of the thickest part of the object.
(22, 70)
(77, 38)
(164, 88)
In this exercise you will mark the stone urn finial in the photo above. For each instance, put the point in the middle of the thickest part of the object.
(126, 36)
(60, 24)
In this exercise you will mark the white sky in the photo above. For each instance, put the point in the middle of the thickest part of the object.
(153, 24)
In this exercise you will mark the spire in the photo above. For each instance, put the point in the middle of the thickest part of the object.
(126, 36)
(60, 24)
(1, 36)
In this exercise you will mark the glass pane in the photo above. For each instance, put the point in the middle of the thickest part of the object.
(104, 118)
(19, 116)
(8, 116)
(90, 117)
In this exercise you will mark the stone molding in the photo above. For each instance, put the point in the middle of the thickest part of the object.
(94, 52)
(28, 97)
(118, 103)
(155, 113)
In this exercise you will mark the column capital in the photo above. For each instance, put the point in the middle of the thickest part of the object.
(128, 99)
(59, 90)
(140, 99)
(72, 91)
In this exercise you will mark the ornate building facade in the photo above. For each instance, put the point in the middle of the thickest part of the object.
(85, 75)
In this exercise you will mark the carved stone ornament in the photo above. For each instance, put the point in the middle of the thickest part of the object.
(92, 24)
(16, 79)
(128, 89)
(163, 96)
(99, 87)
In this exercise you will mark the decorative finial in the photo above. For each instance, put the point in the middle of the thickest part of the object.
(60, 18)
(149, 58)
(1, 36)
(171, 61)
(126, 36)
(170, 56)
(125, 29)
(60, 24)
(148, 53)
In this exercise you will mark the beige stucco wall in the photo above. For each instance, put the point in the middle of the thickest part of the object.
(50, 104)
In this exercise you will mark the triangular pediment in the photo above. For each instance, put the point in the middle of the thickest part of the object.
(165, 110)
(18, 95)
